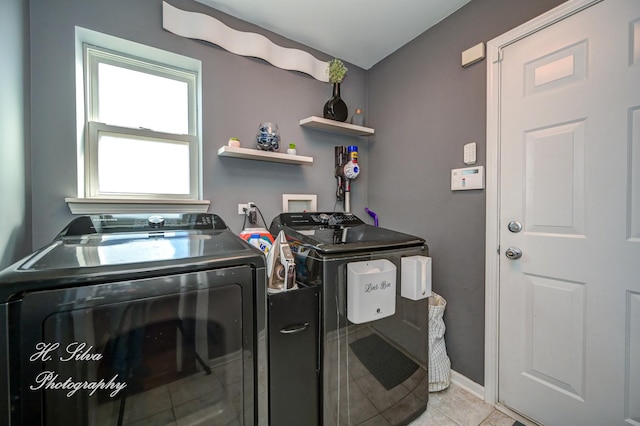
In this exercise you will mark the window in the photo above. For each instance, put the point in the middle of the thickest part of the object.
(141, 130)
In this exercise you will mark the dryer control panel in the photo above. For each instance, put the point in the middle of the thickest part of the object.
(294, 220)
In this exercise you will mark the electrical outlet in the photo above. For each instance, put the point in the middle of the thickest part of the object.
(242, 208)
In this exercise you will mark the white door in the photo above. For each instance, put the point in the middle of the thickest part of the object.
(569, 173)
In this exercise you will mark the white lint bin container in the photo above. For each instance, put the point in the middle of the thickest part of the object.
(415, 277)
(371, 290)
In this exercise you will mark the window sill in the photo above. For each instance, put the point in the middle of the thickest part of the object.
(118, 205)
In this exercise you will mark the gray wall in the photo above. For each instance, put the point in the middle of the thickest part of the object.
(425, 108)
(14, 176)
(238, 93)
(423, 105)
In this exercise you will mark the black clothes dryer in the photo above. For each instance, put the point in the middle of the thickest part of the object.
(125, 318)
(372, 371)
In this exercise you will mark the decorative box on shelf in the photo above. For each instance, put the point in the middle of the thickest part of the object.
(333, 126)
(255, 154)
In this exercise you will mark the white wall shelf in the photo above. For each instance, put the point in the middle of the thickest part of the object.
(255, 154)
(333, 126)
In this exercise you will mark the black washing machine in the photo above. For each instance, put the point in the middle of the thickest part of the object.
(135, 318)
(373, 352)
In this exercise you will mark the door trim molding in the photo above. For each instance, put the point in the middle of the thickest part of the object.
(492, 255)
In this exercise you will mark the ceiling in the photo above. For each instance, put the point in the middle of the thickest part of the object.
(361, 32)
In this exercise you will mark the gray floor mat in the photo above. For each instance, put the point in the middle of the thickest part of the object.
(387, 364)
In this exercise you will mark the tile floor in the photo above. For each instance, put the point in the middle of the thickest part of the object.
(215, 399)
(451, 407)
(456, 407)
(198, 399)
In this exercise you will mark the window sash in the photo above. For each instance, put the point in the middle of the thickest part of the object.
(92, 184)
(93, 56)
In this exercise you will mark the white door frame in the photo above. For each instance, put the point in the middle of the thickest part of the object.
(492, 256)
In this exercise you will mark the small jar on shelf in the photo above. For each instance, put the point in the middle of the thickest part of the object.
(357, 118)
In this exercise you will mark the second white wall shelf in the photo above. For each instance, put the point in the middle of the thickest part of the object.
(333, 126)
(255, 154)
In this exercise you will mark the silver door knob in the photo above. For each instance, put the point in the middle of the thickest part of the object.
(514, 226)
(513, 253)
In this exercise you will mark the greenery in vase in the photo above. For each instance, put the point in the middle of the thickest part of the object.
(336, 71)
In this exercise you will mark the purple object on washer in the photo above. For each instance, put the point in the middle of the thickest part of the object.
(373, 215)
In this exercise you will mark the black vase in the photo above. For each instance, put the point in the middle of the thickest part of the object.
(335, 108)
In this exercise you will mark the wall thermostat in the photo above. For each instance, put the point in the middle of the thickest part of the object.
(468, 178)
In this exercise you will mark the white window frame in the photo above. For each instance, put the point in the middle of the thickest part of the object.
(93, 56)
(77, 202)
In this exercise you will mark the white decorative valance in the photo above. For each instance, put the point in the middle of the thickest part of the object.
(204, 27)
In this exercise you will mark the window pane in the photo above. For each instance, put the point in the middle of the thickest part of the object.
(135, 99)
(142, 166)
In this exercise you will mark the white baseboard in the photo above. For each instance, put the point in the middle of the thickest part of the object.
(467, 384)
